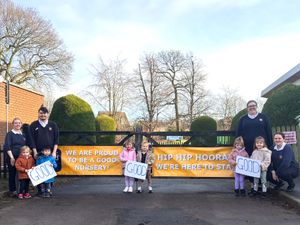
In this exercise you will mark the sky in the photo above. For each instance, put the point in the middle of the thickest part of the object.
(243, 44)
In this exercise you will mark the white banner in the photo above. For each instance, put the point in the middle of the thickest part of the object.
(136, 170)
(41, 173)
(247, 166)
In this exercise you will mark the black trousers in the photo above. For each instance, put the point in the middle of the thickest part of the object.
(287, 175)
(24, 186)
(12, 174)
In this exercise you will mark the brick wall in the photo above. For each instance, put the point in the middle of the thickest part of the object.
(24, 104)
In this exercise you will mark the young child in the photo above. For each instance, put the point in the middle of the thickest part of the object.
(146, 156)
(128, 153)
(239, 179)
(24, 163)
(44, 157)
(262, 153)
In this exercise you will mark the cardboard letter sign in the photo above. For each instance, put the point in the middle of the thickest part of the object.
(248, 167)
(136, 170)
(41, 173)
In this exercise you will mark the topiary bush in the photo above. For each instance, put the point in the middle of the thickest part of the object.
(236, 119)
(105, 123)
(206, 124)
(283, 105)
(71, 113)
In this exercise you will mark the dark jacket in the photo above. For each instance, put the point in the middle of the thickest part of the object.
(22, 164)
(282, 160)
(43, 137)
(14, 142)
(249, 129)
(148, 160)
(43, 159)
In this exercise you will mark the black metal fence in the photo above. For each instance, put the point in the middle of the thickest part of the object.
(205, 138)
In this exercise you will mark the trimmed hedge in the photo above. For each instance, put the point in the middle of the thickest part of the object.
(72, 113)
(105, 123)
(204, 123)
(283, 105)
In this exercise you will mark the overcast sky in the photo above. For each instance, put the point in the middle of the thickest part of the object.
(246, 44)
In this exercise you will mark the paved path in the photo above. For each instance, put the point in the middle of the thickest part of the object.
(99, 200)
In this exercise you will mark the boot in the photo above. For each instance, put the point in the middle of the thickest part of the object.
(237, 192)
(243, 192)
(253, 193)
(263, 195)
(291, 186)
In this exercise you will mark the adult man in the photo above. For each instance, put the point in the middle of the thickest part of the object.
(44, 133)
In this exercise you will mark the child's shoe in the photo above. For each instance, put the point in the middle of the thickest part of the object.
(46, 195)
(150, 189)
(253, 193)
(130, 189)
(237, 192)
(243, 192)
(263, 195)
(139, 190)
(27, 195)
(125, 189)
(20, 196)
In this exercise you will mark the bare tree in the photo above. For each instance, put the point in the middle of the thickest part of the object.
(171, 65)
(109, 90)
(152, 91)
(193, 91)
(30, 50)
(228, 104)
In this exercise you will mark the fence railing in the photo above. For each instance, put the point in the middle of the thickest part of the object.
(3, 166)
(205, 138)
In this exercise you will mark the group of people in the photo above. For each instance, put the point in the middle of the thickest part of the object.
(42, 137)
(254, 140)
(277, 162)
(143, 156)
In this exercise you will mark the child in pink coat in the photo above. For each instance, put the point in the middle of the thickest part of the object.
(128, 154)
(239, 179)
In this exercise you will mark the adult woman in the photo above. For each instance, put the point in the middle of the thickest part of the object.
(283, 164)
(252, 125)
(14, 140)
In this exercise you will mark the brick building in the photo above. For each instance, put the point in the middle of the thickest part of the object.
(24, 103)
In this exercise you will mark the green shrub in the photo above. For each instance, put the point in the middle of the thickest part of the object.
(236, 119)
(283, 105)
(105, 123)
(207, 124)
(71, 113)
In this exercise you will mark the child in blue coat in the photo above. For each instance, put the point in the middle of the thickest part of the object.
(46, 156)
